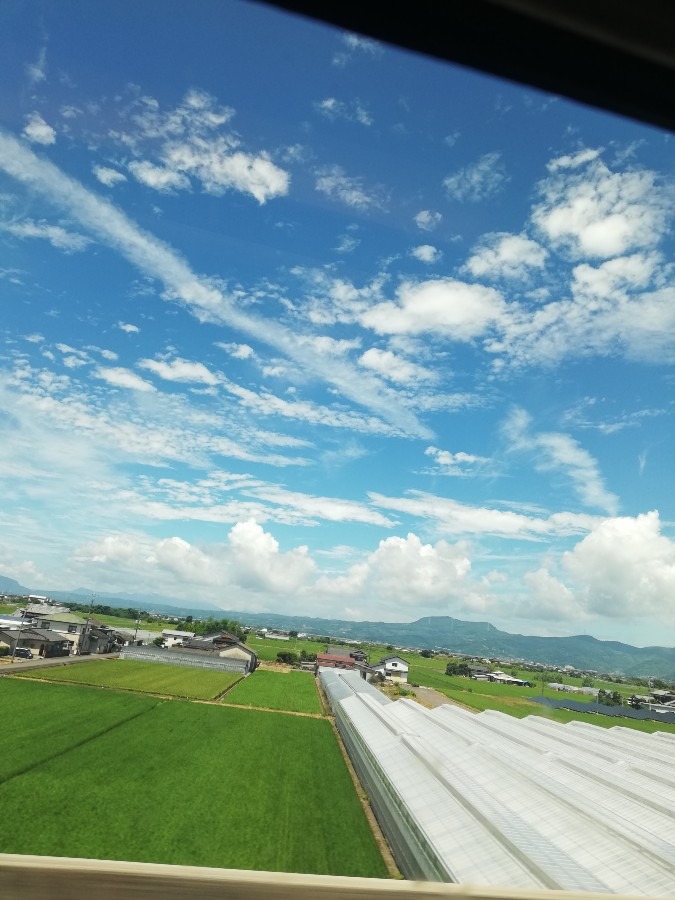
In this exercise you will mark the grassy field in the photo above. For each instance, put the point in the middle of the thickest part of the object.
(43, 720)
(130, 624)
(147, 677)
(517, 701)
(291, 691)
(182, 783)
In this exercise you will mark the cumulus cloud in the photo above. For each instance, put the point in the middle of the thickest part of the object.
(594, 212)
(394, 367)
(108, 177)
(38, 131)
(458, 464)
(404, 572)
(158, 177)
(506, 256)
(427, 219)
(625, 568)
(426, 253)
(128, 328)
(352, 191)
(453, 308)
(191, 141)
(206, 299)
(558, 452)
(180, 370)
(477, 181)
(58, 237)
(120, 377)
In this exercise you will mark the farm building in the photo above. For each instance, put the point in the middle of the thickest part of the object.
(226, 646)
(392, 667)
(172, 637)
(41, 641)
(487, 799)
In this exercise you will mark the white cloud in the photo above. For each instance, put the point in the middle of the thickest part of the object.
(506, 256)
(599, 213)
(549, 598)
(206, 299)
(120, 377)
(553, 451)
(405, 573)
(158, 177)
(249, 561)
(58, 237)
(457, 310)
(426, 253)
(573, 160)
(456, 464)
(189, 142)
(351, 111)
(237, 351)
(180, 370)
(129, 329)
(347, 243)
(477, 181)
(453, 517)
(353, 44)
(394, 367)
(37, 71)
(108, 177)
(625, 568)
(38, 131)
(336, 184)
(427, 219)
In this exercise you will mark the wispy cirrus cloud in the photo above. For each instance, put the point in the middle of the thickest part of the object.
(56, 235)
(554, 451)
(348, 110)
(334, 182)
(206, 300)
(477, 181)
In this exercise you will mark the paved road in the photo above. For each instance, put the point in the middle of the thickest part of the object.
(22, 665)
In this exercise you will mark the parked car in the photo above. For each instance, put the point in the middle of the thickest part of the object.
(23, 653)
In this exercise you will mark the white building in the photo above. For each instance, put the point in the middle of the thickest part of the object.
(392, 667)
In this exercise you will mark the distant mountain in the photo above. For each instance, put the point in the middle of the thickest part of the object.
(483, 639)
(434, 632)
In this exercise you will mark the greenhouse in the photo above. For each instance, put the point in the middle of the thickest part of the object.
(488, 799)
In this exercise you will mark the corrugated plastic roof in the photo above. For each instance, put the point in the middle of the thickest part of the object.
(524, 802)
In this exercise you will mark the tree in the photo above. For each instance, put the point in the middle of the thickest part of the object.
(588, 682)
(308, 657)
(158, 641)
(457, 668)
(293, 634)
(285, 656)
(188, 619)
(427, 654)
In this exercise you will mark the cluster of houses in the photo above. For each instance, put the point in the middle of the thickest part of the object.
(48, 630)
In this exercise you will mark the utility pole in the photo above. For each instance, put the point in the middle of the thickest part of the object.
(138, 622)
(86, 627)
(18, 637)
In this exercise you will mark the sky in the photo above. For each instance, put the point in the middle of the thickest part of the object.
(295, 321)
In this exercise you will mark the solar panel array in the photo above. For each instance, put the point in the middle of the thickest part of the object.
(489, 799)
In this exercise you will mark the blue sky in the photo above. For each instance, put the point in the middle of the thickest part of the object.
(296, 321)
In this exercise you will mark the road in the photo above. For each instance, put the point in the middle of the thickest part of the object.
(23, 665)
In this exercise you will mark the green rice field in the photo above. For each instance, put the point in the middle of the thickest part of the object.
(290, 691)
(146, 677)
(115, 776)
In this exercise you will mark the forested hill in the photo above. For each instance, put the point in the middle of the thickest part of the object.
(483, 639)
